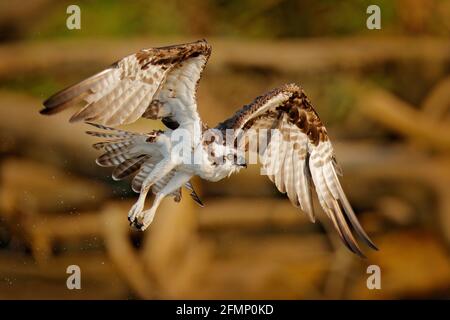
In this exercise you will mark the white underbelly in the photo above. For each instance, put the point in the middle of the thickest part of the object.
(202, 166)
(205, 171)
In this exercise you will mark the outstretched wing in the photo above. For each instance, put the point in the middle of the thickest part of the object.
(299, 155)
(157, 83)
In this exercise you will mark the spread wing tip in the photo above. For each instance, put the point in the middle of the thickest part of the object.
(52, 105)
(51, 101)
(346, 223)
(350, 214)
(46, 111)
(76, 118)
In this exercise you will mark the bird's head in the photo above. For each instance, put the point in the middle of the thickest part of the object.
(229, 158)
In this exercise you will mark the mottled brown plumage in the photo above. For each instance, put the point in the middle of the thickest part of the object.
(297, 107)
(161, 83)
(171, 55)
(135, 86)
(301, 157)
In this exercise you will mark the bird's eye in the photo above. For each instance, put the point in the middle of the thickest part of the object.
(230, 156)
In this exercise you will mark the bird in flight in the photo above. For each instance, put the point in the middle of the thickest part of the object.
(161, 83)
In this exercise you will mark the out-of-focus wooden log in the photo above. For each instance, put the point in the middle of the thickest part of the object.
(277, 267)
(95, 263)
(171, 231)
(43, 229)
(36, 288)
(340, 270)
(110, 224)
(29, 187)
(399, 162)
(355, 156)
(413, 264)
(81, 224)
(22, 278)
(400, 117)
(437, 103)
(292, 246)
(116, 233)
(25, 126)
(303, 56)
(250, 213)
(172, 250)
(16, 17)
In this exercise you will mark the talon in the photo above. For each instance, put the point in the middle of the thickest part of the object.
(139, 225)
(135, 211)
(136, 225)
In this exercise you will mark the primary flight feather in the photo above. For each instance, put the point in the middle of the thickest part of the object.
(161, 83)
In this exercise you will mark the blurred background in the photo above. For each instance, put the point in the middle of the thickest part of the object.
(383, 94)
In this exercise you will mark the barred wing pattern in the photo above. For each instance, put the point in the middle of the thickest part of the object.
(131, 154)
(161, 83)
(300, 157)
(157, 83)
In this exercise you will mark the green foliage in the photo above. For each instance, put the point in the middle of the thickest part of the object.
(233, 18)
(39, 86)
(115, 18)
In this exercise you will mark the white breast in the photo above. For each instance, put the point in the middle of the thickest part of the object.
(203, 167)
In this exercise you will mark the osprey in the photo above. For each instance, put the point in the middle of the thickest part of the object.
(161, 83)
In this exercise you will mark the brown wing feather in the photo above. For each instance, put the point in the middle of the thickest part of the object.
(301, 157)
(140, 84)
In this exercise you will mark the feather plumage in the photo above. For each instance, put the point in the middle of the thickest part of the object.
(305, 147)
(124, 92)
(161, 83)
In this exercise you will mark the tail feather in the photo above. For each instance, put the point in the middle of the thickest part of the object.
(118, 154)
(123, 132)
(112, 145)
(128, 167)
(111, 160)
(105, 135)
(193, 194)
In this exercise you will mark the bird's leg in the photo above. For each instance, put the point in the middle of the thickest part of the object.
(178, 180)
(138, 206)
(160, 170)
